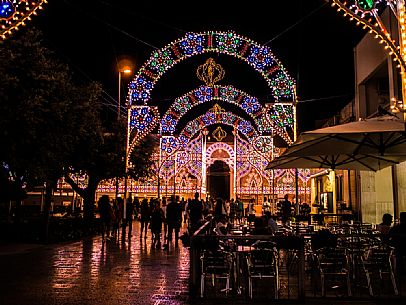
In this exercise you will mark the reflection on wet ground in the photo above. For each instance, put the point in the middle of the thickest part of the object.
(92, 272)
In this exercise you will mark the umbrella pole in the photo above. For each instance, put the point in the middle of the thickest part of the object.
(297, 191)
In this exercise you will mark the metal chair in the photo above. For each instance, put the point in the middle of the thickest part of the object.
(263, 263)
(378, 261)
(333, 262)
(215, 264)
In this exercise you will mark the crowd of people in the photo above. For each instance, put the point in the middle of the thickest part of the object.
(168, 214)
(155, 215)
(164, 218)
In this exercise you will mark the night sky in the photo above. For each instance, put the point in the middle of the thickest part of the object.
(312, 41)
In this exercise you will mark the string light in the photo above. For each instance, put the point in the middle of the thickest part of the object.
(259, 57)
(204, 94)
(15, 13)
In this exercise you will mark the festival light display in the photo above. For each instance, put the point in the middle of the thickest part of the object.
(366, 13)
(141, 121)
(257, 56)
(185, 155)
(15, 13)
(204, 94)
(226, 118)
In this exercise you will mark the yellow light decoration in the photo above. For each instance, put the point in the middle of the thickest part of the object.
(398, 52)
(219, 134)
(210, 72)
(20, 12)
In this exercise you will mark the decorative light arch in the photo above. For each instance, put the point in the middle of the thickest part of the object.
(211, 118)
(204, 94)
(257, 56)
(217, 146)
(15, 13)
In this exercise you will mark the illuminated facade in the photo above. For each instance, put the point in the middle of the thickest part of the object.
(243, 143)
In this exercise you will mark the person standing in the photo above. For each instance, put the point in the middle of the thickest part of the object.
(240, 209)
(233, 210)
(286, 210)
(105, 215)
(174, 219)
(219, 209)
(129, 216)
(157, 216)
(195, 210)
(145, 217)
(266, 207)
(165, 223)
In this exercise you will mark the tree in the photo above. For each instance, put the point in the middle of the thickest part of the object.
(141, 157)
(41, 113)
(105, 160)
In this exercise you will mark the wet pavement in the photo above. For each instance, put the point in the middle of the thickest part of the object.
(92, 272)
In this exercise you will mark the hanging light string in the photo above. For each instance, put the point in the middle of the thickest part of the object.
(132, 13)
(295, 24)
(111, 25)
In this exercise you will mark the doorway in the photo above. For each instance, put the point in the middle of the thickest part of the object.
(218, 180)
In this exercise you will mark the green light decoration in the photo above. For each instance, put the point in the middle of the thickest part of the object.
(366, 5)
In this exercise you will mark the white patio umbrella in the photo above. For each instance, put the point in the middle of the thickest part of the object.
(370, 144)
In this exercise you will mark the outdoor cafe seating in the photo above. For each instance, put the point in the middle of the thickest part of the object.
(338, 259)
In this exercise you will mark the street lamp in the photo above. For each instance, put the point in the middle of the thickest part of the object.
(125, 70)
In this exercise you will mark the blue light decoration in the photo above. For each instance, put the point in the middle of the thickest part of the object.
(169, 144)
(204, 94)
(226, 118)
(229, 43)
(142, 120)
(7, 9)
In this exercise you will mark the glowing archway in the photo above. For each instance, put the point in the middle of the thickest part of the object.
(257, 56)
(204, 94)
(220, 146)
(211, 118)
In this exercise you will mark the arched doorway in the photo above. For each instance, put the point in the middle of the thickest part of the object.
(218, 178)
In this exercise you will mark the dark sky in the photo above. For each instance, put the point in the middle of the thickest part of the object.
(312, 41)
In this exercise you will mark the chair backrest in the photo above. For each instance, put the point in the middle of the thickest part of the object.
(262, 261)
(379, 257)
(216, 262)
(332, 259)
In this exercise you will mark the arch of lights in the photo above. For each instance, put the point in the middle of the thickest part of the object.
(220, 146)
(212, 118)
(366, 13)
(257, 56)
(205, 94)
(15, 13)
(278, 116)
(184, 155)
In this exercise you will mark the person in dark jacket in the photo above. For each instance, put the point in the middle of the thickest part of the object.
(174, 220)
(129, 216)
(145, 217)
(157, 217)
(105, 215)
(195, 209)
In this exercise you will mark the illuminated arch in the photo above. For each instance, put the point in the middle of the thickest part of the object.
(204, 94)
(257, 56)
(211, 118)
(217, 146)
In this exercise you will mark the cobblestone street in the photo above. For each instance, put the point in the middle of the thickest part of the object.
(90, 272)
